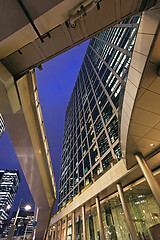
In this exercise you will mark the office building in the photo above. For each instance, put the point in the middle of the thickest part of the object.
(91, 123)
(110, 174)
(24, 224)
(2, 125)
(9, 182)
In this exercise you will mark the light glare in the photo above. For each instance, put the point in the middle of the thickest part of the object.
(27, 207)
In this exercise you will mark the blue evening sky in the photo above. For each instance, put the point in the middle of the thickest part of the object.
(55, 84)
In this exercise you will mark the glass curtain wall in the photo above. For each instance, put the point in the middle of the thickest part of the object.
(91, 139)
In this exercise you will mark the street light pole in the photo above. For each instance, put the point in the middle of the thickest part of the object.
(11, 232)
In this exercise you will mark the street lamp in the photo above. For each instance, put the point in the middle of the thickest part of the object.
(11, 232)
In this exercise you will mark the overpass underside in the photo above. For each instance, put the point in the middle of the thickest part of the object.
(35, 32)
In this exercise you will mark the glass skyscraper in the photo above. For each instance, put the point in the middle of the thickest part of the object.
(9, 182)
(91, 142)
(2, 125)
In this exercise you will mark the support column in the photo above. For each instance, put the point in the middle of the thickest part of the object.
(84, 223)
(52, 233)
(65, 230)
(127, 212)
(60, 229)
(100, 222)
(73, 226)
(152, 182)
(56, 231)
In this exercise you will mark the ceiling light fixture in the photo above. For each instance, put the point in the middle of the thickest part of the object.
(152, 145)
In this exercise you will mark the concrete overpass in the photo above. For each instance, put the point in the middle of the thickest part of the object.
(23, 119)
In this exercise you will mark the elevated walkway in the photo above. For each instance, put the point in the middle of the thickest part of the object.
(21, 111)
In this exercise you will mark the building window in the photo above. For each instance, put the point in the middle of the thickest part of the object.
(107, 112)
(115, 97)
(112, 130)
(81, 185)
(67, 187)
(84, 147)
(79, 141)
(105, 161)
(95, 85)
(102, 101)
(75, 161)
(103, 144)
(98, 126)
(98, 92)
(87, 114)
(71, 195)
(93, 103)
(106, 77)
(76, 176)
(91, 137)
(79, 155)
(95, 113)
(80, 171)
(117, 151)
(94, 154)
(97, 170)
(86, 164)
(71, 182)
(89, 124)
(76, 191)
(71, 166)
(88, 179)
(78, 131)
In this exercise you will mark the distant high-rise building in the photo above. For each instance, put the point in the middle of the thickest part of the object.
(9, 182)
(24, 224)
(91, 139)
(2, 125)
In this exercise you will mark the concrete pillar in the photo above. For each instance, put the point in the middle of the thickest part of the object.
(152, 182)
(84, 223)
(52, 233)
(56, 231)
(65, 229)
(100, 222)
(127, 212)
(73, 226)
(60, 229)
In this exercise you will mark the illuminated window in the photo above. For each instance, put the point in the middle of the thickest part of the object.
(88, 179)
(94, 154)
(112, 130)
(103, 144)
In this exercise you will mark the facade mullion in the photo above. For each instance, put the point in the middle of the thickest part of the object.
(92, 125)
(101, 120)
(108, 96)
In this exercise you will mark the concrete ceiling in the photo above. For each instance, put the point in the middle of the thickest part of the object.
(13, 17)
(21, 49)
